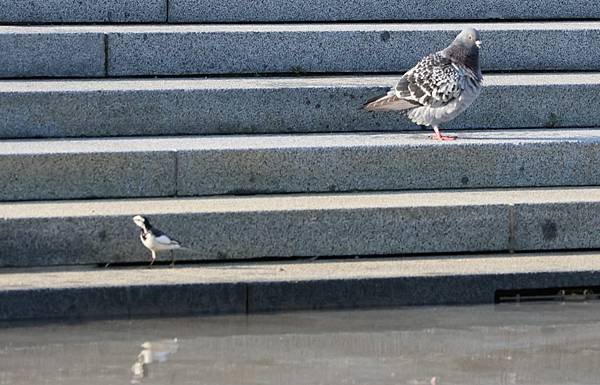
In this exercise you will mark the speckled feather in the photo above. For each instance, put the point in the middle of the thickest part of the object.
(433, 81)
(438, 88)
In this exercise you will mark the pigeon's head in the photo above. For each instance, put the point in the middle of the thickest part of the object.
(141, 222)
(469, 38)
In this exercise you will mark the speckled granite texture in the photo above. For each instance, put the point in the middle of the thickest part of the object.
(252, 288)
(73, 108)
(242, 165)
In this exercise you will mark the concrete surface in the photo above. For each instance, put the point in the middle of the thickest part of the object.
(83, 11)
(250, 288)
(80, 108)
(233, 228)
(217, 165)
(85, 232)
(302, 48)
(50, 52)
(363, 162)
(286, 48)
(553, 343)
(536, 343)
(207, 11)
(560, 227)
(62, 175)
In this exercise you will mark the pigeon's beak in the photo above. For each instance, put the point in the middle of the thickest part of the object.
(478, 43)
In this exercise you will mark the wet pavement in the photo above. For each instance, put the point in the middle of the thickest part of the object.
(536, 343)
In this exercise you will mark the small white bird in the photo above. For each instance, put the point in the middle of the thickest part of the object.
(440, 87)
(155, 240)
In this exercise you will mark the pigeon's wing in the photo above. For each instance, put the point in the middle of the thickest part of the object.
(388, 102)
(434, 81)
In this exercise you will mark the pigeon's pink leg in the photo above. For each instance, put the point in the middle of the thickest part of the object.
(439, 136)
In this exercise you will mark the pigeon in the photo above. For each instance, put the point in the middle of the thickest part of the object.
(155, 240)
(440, 87)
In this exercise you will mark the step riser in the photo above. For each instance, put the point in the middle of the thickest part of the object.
(256, 297)
(52, 55)
(83, 11)
(208, 11)
(289, 164)
(334, 10)
(74, 176)
(361, 168)
(336, 231)
(347, 51)
(66, 241)
(274, 106)
(190, 50)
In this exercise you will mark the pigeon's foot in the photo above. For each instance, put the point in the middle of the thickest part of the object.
(443, 137)
(439, 136)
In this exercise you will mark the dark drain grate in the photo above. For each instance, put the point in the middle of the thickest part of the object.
(550, 294)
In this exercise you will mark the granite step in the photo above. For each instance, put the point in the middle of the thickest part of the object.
(305, 225)
(196, 106)
(244, 11)
(216, 49)
(267, 164)
(85, 11)
(210, 11)
(246, 288)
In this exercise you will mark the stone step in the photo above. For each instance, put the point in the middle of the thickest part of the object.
(130, 107)
(186, 11)
(163, 50)
(216, 165)
(283, 226)
(286, 286)
(210, 11)
(83, 11)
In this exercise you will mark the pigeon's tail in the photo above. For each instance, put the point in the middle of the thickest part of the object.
(387, 102)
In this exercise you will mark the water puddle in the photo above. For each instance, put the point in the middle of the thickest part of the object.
(532, 343)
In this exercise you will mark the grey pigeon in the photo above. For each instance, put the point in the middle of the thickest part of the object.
(440, 87)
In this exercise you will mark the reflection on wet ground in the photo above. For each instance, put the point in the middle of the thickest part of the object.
(152, 351)
(550, 343)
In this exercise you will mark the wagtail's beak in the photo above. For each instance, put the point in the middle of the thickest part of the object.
(478, 43)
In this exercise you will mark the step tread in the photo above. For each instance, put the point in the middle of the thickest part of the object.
(293, 141)
(303, 225)
(200, 83)
(244, 272)
(92, 108)
(298, 202)
(260, 164)
(569, 25)
(285, 286)
(166, 50)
